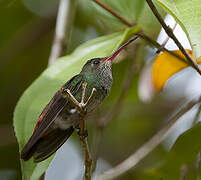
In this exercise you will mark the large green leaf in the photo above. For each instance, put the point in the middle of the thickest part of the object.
(188, 15)
(183, 152)
(40, 92)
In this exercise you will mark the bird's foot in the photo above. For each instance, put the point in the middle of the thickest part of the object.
(82, 135)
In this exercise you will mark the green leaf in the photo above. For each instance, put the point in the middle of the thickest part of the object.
(42, 89)
(148, 23)
(129, 9)
(135, 11)
(183, 152)
(188, 15)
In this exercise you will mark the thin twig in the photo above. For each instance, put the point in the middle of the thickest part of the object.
(170, 33)
(87, 157)
(109, 9)
(166, 40)
(63, 29)
(145, 149)
(197, 115)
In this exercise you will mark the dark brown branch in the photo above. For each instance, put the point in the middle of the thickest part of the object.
(109, 9)
(148, 147)
(166, 40)
(87, 159)
(170, 33)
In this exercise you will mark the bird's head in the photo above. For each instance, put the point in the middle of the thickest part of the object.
(100, 65)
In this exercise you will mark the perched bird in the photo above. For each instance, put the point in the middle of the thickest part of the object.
(60, 117)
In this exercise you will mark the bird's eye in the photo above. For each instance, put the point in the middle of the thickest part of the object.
(96, 61)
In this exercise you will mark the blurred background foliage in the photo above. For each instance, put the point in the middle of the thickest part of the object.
(26, 34)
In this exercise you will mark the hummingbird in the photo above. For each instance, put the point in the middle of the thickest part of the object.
(60, 118)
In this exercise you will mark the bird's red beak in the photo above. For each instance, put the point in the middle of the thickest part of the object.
(111, 57)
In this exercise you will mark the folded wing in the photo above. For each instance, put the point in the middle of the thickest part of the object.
(46, 118)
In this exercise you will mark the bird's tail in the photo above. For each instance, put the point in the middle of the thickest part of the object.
(47, 145)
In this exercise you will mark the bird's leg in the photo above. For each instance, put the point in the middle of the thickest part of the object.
(80, 106)
(82, 132)
(90, 97)
(84, 86)
(67, 94)
(82, 103)
(82, 135)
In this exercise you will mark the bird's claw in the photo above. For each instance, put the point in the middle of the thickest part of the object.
(83, 135)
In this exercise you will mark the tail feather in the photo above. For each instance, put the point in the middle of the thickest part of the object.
(47, 145)
(28, 154)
